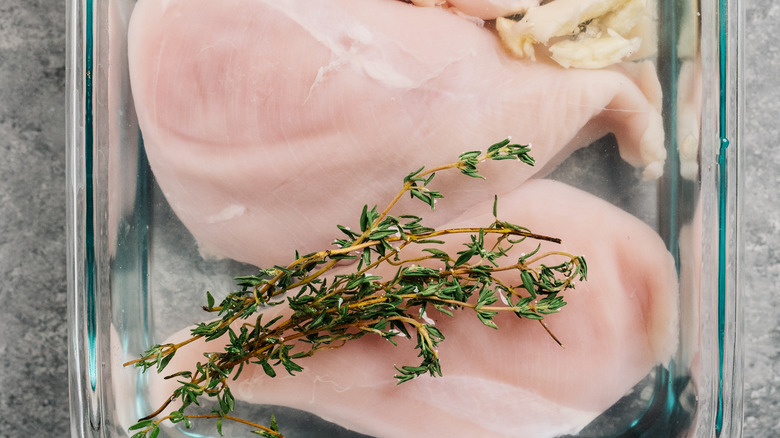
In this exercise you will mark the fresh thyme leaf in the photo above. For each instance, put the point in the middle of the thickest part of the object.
(329, 311)
(141, 425)
(411, 176)
(528, 283)
(185, 374)
(486, 317)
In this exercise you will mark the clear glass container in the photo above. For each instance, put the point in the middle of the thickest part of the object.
(208, 138)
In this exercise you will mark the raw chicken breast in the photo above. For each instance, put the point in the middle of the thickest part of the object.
(514, 381)
(268, 122)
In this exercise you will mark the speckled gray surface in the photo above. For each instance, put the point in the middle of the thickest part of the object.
(33, 356)
(761, 219)
(33, 330)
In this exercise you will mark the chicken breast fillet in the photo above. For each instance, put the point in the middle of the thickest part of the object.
(512, 382)
(269, 122)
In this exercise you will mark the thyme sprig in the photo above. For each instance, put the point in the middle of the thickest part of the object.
(326, 312)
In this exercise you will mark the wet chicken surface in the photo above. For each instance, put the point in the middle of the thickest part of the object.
(266, 123)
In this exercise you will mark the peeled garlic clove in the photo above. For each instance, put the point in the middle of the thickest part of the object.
(594, 52)
(600, 32)
(636, 19)
(626, 17)
(519, 43)
(562, 17)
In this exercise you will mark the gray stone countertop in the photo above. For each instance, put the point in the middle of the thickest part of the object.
(33, 327)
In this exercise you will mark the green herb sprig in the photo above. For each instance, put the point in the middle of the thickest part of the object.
(328, 312)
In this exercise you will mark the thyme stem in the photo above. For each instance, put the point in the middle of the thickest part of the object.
(326, 313)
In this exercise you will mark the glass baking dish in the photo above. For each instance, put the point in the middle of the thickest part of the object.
(209, 139)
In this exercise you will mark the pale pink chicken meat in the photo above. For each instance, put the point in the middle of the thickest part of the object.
(269, 122)
(514, 381)
(485, 9)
